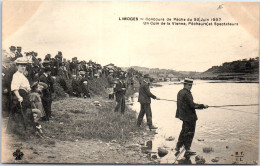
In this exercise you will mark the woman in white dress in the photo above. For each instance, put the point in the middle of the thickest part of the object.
(21, 112)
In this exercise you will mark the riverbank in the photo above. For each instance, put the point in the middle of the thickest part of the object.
(210, 81)
(82, 131)
(229, 77)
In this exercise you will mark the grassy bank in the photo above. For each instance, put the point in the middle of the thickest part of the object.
(77, 118)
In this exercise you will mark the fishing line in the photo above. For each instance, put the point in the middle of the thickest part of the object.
(218, 106)
(221, 107)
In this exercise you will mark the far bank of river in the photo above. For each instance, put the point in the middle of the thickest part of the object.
(160, 83)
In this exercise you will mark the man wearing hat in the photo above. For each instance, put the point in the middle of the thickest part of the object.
(145, 100)
(84, 84)
(186, 112)
(57, 62)
(47, 57)
(120, 90)
(18, 52)
(11, 54)
(76, 85)
(73, 66)
(67, 66)
(85, 88)
(8, 69)
(46, 93)
(110, 87)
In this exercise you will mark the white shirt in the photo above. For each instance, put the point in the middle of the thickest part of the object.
(19, 81)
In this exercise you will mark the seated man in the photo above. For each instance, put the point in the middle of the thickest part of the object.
(76, 88)
(85, 89)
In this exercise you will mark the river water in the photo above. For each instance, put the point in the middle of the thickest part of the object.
(231, 134)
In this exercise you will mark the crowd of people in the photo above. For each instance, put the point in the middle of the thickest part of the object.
(28, 85)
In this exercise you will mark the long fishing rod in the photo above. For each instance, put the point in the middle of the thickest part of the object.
(216, 106)
(168, 100)
(221, 107)
(234, 105)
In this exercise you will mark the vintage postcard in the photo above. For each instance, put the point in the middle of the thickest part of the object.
(131, 82)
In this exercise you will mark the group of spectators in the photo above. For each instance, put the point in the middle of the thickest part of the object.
(28, 84)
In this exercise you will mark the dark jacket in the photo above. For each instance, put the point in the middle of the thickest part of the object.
(144, 93)
(7, 77)
(76, 86)
(119, 92)
(46, 92)
(186, 107)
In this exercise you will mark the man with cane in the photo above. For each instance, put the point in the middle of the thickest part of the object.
(186, 112)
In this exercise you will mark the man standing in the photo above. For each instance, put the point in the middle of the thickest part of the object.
(74, 66)
(120, 90)
(58, 62)
(67, 65)
(8, 69)
(46, 93)
(186, 112)
(11, 54)
(18, 52)
(110, 87)
(145, 100)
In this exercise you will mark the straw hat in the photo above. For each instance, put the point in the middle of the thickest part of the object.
(21, 60)
(187, 81)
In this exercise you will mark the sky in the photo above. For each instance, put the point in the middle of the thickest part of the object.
(93, 31)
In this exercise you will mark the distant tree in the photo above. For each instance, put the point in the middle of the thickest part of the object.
(239, 66)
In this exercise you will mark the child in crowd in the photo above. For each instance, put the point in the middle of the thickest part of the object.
(36, 102)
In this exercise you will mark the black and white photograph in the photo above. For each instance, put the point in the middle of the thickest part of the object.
(130, 82)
